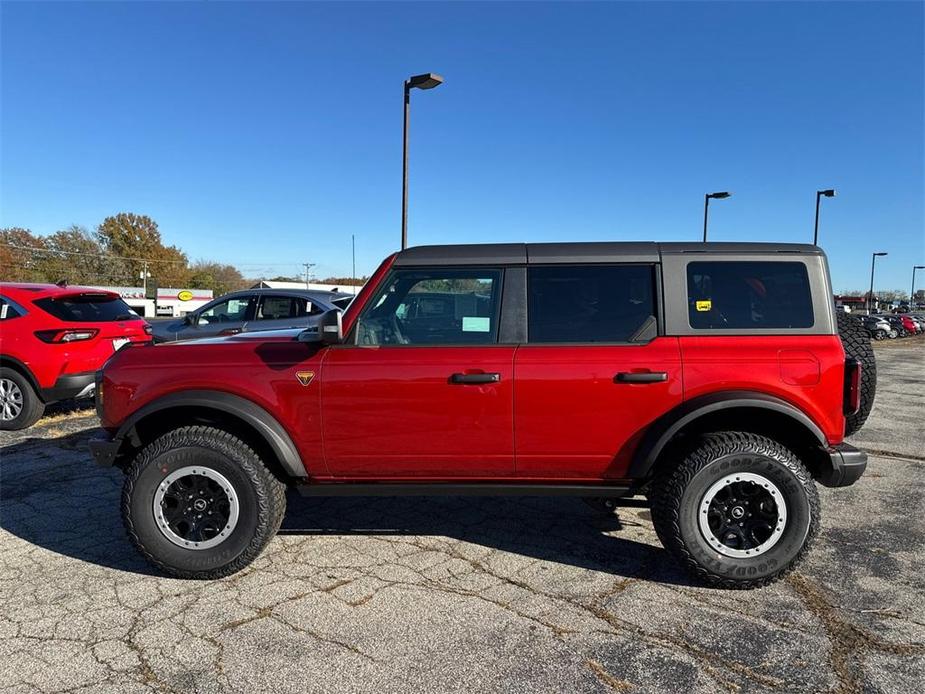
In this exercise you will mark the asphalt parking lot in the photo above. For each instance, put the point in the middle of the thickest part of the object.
(461, 594)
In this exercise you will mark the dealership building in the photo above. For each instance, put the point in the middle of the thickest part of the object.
(171, 302)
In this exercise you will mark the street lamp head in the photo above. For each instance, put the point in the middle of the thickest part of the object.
(428, 80)
(881, 253)
(830, 193)
(719, 196)
(918, 267)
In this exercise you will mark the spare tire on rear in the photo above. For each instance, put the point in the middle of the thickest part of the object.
(856, 342)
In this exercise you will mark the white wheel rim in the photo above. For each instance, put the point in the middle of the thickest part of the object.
(737, 515)
(166, 495)
(11, 400)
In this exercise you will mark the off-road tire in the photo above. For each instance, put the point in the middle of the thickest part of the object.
(679, 489)
(32, 406)
(856, 342)
(261, 496)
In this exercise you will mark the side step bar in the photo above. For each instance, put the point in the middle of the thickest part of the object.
(460, 489)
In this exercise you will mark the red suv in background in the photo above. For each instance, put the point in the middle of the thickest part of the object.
(52, 340)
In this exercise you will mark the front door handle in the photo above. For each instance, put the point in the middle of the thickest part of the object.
(641, 377)
(474, 379)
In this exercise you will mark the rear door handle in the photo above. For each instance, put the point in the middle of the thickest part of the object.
(471, 379)
(641, 377)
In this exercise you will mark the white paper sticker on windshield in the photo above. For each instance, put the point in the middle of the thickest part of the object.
(476, 324)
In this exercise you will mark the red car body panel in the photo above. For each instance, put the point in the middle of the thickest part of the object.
(415, 422)
(807, 371)
(47, 362)
(562, 390)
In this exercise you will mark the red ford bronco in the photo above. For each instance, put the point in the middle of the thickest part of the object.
(715, 379)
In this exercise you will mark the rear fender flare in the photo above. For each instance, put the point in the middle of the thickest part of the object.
(266, 425)
(16, 365)
(664, 429)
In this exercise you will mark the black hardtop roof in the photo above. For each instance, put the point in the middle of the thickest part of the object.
(584, 252)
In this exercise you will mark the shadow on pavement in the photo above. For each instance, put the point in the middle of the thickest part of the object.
(53, 496)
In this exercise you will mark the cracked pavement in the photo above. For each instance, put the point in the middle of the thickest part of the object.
(460, 594)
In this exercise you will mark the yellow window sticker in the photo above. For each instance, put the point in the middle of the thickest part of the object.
(705, 305)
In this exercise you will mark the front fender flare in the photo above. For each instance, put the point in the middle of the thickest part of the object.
(664, 429)
(276, 437)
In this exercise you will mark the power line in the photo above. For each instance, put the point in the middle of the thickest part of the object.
(110, 256)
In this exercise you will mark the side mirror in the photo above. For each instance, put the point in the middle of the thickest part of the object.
(328, 329)
(190, 319)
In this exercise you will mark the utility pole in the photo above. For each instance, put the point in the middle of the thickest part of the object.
(308, 267)
(353, 252)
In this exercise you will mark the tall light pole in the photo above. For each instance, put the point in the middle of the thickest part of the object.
(353, 254)
(706, 208)
(870, 294)
(912, 293)
(426, 81)
(830, 193)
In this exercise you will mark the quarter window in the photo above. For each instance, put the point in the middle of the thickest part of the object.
(433, 307)
(748, 294)
(593, 303)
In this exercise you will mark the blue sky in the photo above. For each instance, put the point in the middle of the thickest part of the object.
(265, 134)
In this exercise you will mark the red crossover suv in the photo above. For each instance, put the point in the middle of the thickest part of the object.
(52, 340)
(714, 379)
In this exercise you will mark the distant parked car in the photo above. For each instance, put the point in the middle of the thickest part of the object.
(878, 328)
(897, 324)
(52, 341)
(251, 310)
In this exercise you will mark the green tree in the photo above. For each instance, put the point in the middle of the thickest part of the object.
(17, 263)
(349, 281)
(79, 259)
(220, 278)
(137, 238)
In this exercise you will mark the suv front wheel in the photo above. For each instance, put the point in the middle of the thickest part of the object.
(199, 503)
(739, 511)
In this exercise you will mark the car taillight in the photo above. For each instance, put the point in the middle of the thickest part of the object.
(852, 385)
(70, 335)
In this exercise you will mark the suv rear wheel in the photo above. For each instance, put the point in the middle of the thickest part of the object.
(739, 511)
(20, 406)
(199, 503)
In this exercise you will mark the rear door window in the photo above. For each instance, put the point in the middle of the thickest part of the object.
(593, 303)
(283, 307)
(87, 308)
(748, 295)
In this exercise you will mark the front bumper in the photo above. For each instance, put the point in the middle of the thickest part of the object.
(70, 386)
(847, 465)
(104, 449)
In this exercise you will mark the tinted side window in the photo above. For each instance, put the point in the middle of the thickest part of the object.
(594, 303)
(229, 311)
(748, 294)
(8, 310)
(433, 307)
(280, 307)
